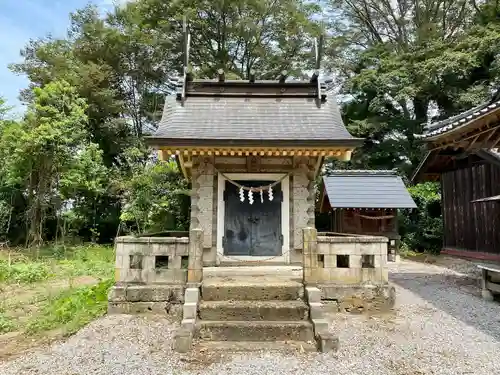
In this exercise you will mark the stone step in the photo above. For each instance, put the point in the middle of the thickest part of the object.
(253, 310)
(287, 347)
(287, 272)
(254, 331)
(250, 289)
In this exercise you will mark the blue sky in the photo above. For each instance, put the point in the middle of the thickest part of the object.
(21, 20)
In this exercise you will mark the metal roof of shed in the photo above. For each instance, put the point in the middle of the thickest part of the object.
(367, 189)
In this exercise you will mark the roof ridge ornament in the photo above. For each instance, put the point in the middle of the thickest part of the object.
(318, 54)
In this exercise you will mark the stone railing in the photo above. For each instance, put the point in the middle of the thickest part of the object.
(347, 266)
(152, 272)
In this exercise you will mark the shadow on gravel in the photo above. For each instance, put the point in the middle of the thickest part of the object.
(458, 296)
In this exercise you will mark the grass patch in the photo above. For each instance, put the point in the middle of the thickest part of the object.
(28, 266)
(72, 309)
(23, 272)
(7, 324)
(52, 290)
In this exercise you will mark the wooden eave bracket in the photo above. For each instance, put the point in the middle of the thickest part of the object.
(341, 153)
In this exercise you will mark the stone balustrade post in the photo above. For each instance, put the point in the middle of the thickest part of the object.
(310, 255)
(195, 266)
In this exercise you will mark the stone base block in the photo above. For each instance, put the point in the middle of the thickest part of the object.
(164, 308)
(487, 295)
(183, 338)
(146, 293)
(360, 298)
(327, 342)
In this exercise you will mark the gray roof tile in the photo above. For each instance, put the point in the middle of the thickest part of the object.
(451, 123)
(251, 118)
(367, 189)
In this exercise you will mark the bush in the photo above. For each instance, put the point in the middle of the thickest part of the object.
(23, 273)
(422, 229)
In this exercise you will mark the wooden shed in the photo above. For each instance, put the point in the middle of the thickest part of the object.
(462, 155)
(363, 202)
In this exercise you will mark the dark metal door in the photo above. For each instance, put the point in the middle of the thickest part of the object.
(252, 229)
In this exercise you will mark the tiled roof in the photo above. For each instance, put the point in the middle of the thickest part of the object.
(367, 189)
(459, 120)
(251, 118)
(290, 112)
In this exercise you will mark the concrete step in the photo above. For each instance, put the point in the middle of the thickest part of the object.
(250, 289)
(254, 331)
(288, 347)
(253, 310)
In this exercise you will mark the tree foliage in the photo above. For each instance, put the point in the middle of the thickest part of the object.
(156, 201)
(402, 63)
(49, 154)
(422, 229)
(117, 68)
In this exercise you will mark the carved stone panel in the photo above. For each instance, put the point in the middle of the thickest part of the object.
(202, 199)
(300, 197)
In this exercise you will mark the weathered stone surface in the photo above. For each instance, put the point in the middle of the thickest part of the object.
(316, 310)
(288, 347)
(301, 204)
(164, 308)
(345, 260)
(255, 331)
(487, 295)
(143, 251)
(168, 276)
(286, 290)
(155, 293)
(117, 294)
(359, 298)
(320, 326)
(182, 341)
(311, 270)
(202, 198)
(189, 324)
(195, 264)
(327, 342)
(189, 310)
(192, 295)
(253, 310)
(313, 294)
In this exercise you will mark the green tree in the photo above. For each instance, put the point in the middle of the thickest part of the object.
(121, 65)
(402, 63)
(156, 199)
(45, 153)
(422, 228)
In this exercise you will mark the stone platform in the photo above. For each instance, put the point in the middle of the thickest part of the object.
(258, 303)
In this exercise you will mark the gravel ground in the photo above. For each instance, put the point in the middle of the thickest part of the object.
(440, 326)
